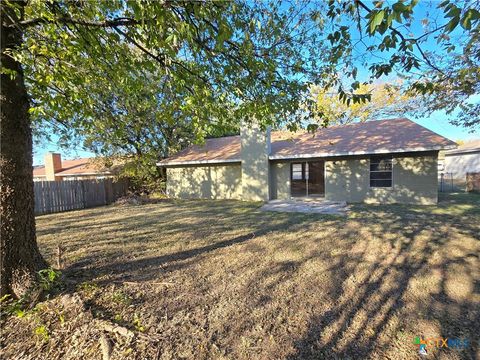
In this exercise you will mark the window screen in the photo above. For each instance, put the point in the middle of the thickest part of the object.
(381, 172)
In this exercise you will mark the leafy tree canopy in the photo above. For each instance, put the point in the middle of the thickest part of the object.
(103, 68)
(434, 46)
(119, 73)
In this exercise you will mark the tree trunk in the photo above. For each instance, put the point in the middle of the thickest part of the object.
(20, 257)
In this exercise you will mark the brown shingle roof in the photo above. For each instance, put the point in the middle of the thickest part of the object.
(371, 137)
(78, 167)
(224, 149)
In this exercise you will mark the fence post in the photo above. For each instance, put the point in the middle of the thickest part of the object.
(84, 199)
(107, 184)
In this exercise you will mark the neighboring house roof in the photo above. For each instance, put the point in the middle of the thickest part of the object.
(469, 146)
(371, 137)
(77, 167)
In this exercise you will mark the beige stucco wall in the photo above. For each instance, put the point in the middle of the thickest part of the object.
(255, 148)
(414, 181)
(280, 180)
(205, 182)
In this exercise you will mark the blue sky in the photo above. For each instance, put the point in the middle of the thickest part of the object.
(40, 150)
(437, 122)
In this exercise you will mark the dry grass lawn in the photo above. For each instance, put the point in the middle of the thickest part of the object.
(222, 280)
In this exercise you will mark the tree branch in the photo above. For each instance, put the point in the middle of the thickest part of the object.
(139, 46)
(404, 39)
(161, 58)
(121, 21)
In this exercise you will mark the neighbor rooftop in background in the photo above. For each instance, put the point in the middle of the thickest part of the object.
(469, 146)
(83, 166)
(367, 138)
(56, 169)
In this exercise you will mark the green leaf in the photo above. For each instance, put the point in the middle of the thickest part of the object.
(354, 72)
(470, 15)
(376, 20)
(444, 3)
(466, 23)
(474, 14)
(452, 24)
(454, 12)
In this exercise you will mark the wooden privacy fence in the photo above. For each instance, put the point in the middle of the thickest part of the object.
(58, 196)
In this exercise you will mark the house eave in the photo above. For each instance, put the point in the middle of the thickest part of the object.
(461, 151)
(197, 162)
(307, 156)
(356, 153)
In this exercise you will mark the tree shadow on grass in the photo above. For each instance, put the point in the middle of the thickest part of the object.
(146, 269)
(367, 323)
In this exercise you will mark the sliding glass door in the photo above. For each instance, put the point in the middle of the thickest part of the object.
(307, 179)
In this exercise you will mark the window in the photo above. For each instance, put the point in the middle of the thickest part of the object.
(381, 172)
(297, 171)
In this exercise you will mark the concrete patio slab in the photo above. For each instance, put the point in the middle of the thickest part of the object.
(315, 206)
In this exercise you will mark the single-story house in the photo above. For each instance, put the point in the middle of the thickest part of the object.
(55, 169)
(455, 164)
(383, 161)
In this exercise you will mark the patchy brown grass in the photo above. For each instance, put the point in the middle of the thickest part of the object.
(220, 279)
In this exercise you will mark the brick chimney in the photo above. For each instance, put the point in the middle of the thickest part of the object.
(255, 149)
(53, 164)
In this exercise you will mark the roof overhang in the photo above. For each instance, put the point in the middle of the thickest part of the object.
(461, 151)
(167, 163)
(197, 162)
(356, 153)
